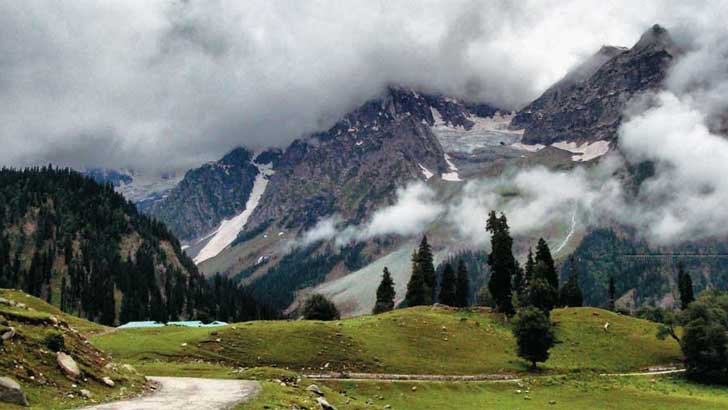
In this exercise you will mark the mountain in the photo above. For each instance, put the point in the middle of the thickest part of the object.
(207, 195)
(350, 171)
(144, 188)
(84, 248)
(587, 105)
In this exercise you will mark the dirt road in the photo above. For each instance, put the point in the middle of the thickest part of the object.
(186, 393)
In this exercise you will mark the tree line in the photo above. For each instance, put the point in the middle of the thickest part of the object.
(81, 246)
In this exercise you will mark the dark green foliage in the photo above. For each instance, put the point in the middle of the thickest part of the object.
(462, 286)
(475, 264)
(705, 338)
(54, 341)
(447, 286)
(635, 265)
(530, 266)
(502, 263)
(385, 294)
(611, 293)
(418, 294)
(317, 307)
(301, 268)
(685, 286)
(74, 260)
(570, 294)
(427, 267)
(247, 235)
(540, 294)
(534, 335)
(546, 263)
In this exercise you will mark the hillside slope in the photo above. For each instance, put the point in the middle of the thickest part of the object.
(29, 357)
(85, 249)
(418, 340)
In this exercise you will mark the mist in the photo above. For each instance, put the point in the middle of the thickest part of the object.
(171, 84)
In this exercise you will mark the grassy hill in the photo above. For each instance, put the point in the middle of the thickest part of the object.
(420, 340)
(30, 356)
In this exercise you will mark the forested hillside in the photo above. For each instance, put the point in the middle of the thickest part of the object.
(84, 248)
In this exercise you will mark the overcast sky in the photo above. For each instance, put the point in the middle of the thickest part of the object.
(170, 84)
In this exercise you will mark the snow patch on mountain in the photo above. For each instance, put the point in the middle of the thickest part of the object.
(586, 151)
(426, 172)
(229, 229)
(486, 131)
(453, 174)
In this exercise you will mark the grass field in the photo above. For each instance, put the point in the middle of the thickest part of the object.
(419, 341)
(568, 393)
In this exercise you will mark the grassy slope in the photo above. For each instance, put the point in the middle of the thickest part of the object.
(586, 392)
(419, 340)
(28, 361)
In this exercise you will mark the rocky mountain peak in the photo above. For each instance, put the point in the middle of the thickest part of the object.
(587, 105)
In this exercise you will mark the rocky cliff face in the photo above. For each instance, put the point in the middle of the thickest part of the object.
(207, 195)
(587, 105)
(357, 164)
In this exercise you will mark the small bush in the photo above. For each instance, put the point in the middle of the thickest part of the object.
(319, 308)
(54, 342)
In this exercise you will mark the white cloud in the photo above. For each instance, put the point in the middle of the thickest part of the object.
(152, 84)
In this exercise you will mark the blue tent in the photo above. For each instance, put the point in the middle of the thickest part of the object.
(134, 325)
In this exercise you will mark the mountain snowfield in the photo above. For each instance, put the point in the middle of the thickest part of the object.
(229, 229)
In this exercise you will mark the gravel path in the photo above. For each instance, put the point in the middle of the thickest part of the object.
(186, 393)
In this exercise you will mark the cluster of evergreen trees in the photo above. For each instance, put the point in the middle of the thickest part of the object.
(84, 248)
(453, 288)
(537, 284)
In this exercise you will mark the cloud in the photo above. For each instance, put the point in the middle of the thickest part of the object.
(412, 213)
(170, 84)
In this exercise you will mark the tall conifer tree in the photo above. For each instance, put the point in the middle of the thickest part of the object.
(462, 286)
(543, 256)
(447, 286)
(385, 294)
(685, 286)
(418, 293)
(501, 261)
(427, 267)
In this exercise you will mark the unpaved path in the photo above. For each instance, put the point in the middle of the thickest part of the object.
(186, 393)
(464, 378)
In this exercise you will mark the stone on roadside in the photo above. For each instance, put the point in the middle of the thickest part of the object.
(11, 392)
(107, 381)
(68, 365)
(324, 404)
(9, 334)
(315, 389)
(86, 394)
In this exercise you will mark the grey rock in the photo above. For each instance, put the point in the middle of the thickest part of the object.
(107, 381)
(325, 405)
(86, 394)
(315, 389)
(11, 392)
(9, 334)
(68, 365)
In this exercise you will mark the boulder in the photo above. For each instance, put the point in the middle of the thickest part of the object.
(68, 365)
(107, 381)
(324, 404)
(315, 389)
(10, 392)
(9, 334)
(86, 394)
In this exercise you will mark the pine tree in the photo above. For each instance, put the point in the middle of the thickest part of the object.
(317, 307)
(519, 282)
(534, 335)
(462, 286)
(530, 265)
(427, 267)
(501, 261)
(447, 286)
(543, 256)
(417, 292)
(685, 287)
(570, 294)
(385, 294)
(541, 295)
(612, 292)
